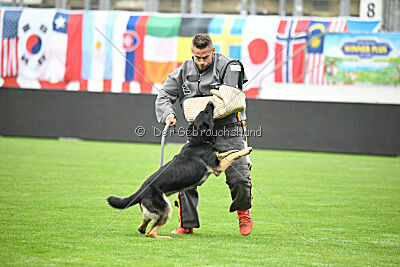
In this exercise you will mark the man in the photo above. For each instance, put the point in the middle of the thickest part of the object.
(194, 78)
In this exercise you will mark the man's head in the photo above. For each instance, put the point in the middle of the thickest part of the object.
(202, 50)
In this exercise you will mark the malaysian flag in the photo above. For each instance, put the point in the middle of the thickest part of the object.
(315, 73)
(9, 44)
(289, 50)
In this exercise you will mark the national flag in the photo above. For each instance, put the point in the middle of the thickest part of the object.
(10, 82)
(258, 51)
(189, 27)
(315, 64)
(289, 50)
(129, 32)
(97, 49)
(34, 32)
(315, 73)
(65, 48)
(160, 47)
(9, 43)
(226, 34)
(124, 41)
(338, 25)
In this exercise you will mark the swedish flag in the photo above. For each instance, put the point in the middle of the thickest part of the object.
(226, 33)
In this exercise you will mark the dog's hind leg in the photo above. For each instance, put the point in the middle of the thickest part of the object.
(154, 229)
(143, 226)
(227, 161)
(163, 217)
(146, 219)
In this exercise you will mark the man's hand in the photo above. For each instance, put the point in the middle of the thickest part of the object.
(219, 105)
(171, 118)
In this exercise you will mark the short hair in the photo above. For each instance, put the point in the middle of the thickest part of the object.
(202, 40)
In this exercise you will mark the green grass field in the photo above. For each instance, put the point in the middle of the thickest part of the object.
(53, 204)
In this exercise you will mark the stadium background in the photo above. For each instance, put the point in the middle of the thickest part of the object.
(346, 205)
(89, 91)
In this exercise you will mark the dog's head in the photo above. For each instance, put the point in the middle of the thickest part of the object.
(205, 120)
(203, 125)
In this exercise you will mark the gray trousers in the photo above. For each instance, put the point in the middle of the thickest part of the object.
(237, 178)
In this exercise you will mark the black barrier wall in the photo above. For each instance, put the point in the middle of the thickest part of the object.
(310, 126)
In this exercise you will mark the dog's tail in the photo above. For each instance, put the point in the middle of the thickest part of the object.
(122, 203)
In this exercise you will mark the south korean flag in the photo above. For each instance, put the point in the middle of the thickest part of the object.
(34, 30)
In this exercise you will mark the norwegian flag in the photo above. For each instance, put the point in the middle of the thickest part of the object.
(9, 44)
(315, 73)
(289, 50)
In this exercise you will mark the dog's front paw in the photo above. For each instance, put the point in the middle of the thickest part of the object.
(217, 172)
(248, 150)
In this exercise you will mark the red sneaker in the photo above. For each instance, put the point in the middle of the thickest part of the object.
(245, 222)
(182, 231)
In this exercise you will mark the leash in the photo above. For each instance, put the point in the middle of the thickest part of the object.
(164, 134)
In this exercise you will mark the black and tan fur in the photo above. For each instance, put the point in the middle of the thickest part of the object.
(191, 167)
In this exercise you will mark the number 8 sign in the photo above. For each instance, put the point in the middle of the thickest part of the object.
(371, 9)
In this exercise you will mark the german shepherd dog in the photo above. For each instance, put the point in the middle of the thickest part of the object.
(190, 168)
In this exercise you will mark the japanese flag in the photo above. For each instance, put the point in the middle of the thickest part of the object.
(258, 49)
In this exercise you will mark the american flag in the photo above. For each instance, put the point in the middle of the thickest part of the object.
(9, 45)
(315, 73)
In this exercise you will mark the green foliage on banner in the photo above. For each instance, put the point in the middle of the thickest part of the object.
(388, 75)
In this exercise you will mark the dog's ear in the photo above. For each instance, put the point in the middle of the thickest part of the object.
(211, 124)
(197, 123)
(202, 125)
(202, 121)
(205, 125)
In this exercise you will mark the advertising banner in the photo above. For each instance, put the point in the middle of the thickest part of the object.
(362, 58)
